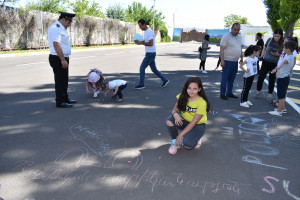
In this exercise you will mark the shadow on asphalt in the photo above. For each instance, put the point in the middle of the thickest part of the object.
(120, 149)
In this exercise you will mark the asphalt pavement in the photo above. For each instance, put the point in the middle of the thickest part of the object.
(103, 150)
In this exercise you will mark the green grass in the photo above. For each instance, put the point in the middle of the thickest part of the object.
(263, 32)
(176, 38)
(215, 40)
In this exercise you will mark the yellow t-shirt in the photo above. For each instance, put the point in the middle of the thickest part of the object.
(194, 107)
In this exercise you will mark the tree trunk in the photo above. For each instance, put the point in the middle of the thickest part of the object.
(289, 31)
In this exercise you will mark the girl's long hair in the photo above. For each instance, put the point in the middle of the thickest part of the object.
(183, 99)
(280, 42)
(249, 51)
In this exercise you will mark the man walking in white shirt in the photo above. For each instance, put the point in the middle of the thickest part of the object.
(150, 48)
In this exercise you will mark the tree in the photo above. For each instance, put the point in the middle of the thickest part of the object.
(52, 6)
(273, 16)
(137, 11)
(289, 14)
(116, 12)
(82, 7)
(230, 19)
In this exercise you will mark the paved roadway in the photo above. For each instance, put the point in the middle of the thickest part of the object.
(110, 151)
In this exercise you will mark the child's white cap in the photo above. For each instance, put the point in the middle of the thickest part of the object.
(93, 77)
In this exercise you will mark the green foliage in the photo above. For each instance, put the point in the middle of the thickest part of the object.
(52, 6)
(83, 7)
(273, 16)
(137, 11)
(297, 25)
(164, 34)
(116, 12)
(230, 19)
(289, 13)
(283, 13)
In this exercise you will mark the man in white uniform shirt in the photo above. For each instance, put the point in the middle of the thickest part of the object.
(150, 48)
(60, 50)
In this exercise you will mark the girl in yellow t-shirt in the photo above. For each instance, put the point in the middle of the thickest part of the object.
(189, 115)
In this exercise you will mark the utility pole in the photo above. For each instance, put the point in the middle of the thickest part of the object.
(153, 16)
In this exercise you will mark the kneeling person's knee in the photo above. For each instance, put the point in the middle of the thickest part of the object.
(169, 123)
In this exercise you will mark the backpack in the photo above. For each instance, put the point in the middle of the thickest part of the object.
(200, 49)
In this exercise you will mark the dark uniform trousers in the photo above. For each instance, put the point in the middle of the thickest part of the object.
(61, 78)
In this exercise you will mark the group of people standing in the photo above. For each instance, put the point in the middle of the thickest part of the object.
(275, 55)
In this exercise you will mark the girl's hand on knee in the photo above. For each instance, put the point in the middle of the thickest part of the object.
(178, 120)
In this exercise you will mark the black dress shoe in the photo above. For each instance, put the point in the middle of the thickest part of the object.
(232, 96)
(223, 97)
(71, 101)
(64, 105)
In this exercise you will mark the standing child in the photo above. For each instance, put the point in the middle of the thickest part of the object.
(203, 54)
(189, 115)
(95, 77)
(252, 52)
(283, 76)
(117, 86)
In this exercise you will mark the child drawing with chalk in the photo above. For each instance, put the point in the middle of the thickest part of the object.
(251, 61)
(117, 86)
(94, 80)
(188, 115)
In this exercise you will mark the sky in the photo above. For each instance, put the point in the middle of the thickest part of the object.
(206, 14)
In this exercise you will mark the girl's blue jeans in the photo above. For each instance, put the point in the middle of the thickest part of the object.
(190, 139)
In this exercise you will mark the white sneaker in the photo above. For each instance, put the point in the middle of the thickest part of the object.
(204, 72)
(173, 149)
(244, 104)
(249, 103)
(95, 94)
(275, 112)
(283, 111)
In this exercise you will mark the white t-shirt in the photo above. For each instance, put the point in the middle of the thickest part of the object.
(282, 55)
(149, 35)
(286, 69)
(252, 66)
(114, 83)
(58, 33)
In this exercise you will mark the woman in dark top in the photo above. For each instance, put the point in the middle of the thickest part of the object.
(270, 55)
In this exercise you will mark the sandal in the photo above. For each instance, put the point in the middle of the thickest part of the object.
(274, 103)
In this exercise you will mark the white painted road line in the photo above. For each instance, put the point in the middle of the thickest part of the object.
(109, 54)
(82, 57)
(30, 64)
(288, 100)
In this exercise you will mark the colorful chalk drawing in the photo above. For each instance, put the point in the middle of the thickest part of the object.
(257, 128)
(99, 139)
(227, 131)
(272, 191)
(285, 185)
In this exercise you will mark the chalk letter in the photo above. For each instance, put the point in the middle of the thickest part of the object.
(272, 191)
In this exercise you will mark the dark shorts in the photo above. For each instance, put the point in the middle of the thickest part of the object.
(282, 86)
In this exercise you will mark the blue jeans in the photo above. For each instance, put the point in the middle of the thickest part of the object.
(228, 76)
(190, 139)
(149, 60)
